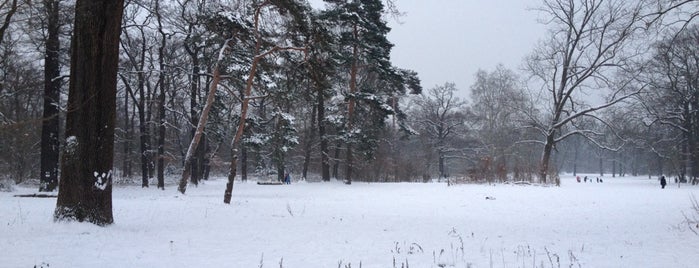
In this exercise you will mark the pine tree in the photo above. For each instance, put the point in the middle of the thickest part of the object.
(364, 51)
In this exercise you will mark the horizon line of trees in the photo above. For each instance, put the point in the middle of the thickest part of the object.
(611, 89)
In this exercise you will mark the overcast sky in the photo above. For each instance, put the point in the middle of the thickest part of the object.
(449, 40)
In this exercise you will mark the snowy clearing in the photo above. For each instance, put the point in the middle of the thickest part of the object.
(623, 222)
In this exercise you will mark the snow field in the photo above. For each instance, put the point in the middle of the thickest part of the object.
(623, 222)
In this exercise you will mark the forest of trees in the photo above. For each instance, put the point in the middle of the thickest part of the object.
(267, 87)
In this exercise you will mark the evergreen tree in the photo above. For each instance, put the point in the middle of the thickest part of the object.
(372, 82)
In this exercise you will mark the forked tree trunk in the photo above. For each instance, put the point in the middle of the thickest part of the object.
(85, 192)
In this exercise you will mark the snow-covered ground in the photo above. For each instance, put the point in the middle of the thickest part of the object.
(623, 222)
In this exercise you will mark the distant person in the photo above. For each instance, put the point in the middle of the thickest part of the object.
(577, 178)
(600, 180)
(597, 179)
(287, 178)
(585, 178)
(663, 182)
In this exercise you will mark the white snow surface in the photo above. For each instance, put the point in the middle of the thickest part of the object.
(623, 222)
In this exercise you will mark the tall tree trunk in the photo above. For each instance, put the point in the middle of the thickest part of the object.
(442, 172)
(145, 145)
(161, 99)
(351, 105)
(52, 90)
(228, 193)
(85, 192)
(324, 149)
(194, 115)
(614, 163)
(126, 157)
(575, 160)
(244, 163)
(309, 143)
(336, 161)
(601, 163)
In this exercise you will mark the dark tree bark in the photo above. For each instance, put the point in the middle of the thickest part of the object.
(85, 192)
(350, 106)
(324, 150)
(243, 163)
(8, 18)
(145, 134)
(128, 130)
(161, 99)
(52, 90)
(309, 143)
(336, 163)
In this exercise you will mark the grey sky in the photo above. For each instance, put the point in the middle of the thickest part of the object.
(449, 40)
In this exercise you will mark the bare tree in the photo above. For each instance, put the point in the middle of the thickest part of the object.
(672, 100)
(441, 116)
(135, 73)
(588, 42)
(498, 98)
(9, 8)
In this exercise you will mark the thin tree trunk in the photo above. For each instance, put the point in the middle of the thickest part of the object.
(194, 116)
(126, 160)
(145, 146)
(52, 89)
(309, 143)
(336, 161)
(244, 163)
(228, 194)
(161, 99)
(324, 150)
(350, 108)
(601, 163)
(143, 122)
(85, 192)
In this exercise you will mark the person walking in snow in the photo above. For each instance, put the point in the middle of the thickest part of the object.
(663, 182)
(287, 178)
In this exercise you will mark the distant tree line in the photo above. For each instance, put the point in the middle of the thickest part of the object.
(612, 89)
